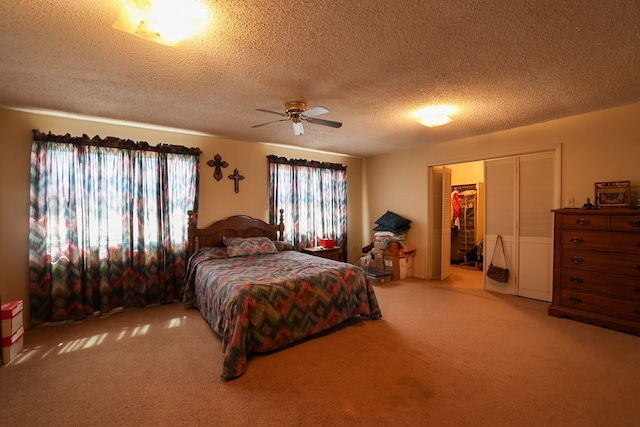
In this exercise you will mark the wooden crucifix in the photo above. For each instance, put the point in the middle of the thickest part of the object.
(217, 163)
(236, 177)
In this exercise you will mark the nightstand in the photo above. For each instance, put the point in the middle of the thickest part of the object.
(332, 253)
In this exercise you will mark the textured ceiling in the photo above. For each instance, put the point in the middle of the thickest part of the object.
(371, 63)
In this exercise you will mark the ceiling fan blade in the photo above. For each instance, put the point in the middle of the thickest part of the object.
(324, 122)
(315, 111)
(267, 123)
(272, 112)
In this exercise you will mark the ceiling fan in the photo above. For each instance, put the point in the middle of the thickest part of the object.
(296, 112)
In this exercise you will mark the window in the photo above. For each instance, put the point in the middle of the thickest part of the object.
(108, 224)
(313, 196)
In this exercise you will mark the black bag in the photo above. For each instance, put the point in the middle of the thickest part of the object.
(498, 274)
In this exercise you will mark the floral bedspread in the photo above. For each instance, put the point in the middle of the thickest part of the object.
(260, 303)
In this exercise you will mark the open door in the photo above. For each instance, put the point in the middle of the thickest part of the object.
(447, 214)
(440, 219)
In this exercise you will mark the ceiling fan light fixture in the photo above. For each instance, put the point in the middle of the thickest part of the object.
(298, 129)
(437, 115)
(167, 22)
(296, 112)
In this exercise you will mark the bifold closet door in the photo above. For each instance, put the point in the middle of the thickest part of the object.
(500, 219)
(440, 223)
(535, 230)
(519, 195)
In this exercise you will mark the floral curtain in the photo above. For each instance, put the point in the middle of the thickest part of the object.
(108, 224)
(314, 198)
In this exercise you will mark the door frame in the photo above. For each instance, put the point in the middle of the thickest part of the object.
(557, 184)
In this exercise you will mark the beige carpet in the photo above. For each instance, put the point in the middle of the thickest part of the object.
(445, 353)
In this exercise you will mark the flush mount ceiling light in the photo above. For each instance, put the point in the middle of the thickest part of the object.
(436, 115)
(166, 22)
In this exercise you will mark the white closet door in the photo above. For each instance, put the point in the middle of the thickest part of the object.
(535, 231)
(519, 198)
(500, 219)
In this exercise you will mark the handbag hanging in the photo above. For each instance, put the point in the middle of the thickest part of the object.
(498, 274)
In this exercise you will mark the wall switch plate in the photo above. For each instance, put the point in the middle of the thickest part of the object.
(569, 202)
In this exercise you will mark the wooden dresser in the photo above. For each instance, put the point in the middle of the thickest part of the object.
(596, 267)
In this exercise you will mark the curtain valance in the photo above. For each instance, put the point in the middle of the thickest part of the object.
(113, 142)
(303, 162)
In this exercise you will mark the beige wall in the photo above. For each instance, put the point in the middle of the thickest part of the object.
(467, 173)
(217, 198)
(601, 146)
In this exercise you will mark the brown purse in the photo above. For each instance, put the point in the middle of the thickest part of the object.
(498, 274)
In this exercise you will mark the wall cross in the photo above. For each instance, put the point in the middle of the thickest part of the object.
(236, 177)
(217, 163)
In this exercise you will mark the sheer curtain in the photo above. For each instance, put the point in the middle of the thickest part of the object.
(314, 198)
(108, 224)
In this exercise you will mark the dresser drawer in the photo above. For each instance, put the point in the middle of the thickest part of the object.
(609, 306)
(601, 241)
(626, 223)
(584, 222)
(623, 287)
(624, 265)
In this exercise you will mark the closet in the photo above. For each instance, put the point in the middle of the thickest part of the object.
(521, 193)
(466, 223)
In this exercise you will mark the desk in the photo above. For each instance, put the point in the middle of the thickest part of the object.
(332, 253)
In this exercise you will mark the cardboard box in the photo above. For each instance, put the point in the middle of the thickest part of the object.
(377, 262)
(400, 268)
(378, 277)
(406, 267)
(392, 249)
(12, 317)
(12, 345)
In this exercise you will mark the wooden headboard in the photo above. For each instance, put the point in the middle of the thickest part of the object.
(234, 226)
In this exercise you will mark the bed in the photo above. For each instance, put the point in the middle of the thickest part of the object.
(258, 299)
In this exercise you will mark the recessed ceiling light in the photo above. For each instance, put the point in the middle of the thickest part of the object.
(166, 22)
(436, 115)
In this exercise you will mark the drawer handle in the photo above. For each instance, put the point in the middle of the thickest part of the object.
(575, 300)
(576, 240)
(576, 260)
(637, 289)
(576, 279)
(637, 311)
(583, 221)
(635, 223)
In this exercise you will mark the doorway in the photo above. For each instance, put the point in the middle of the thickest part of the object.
(529, 257)
(457, 229)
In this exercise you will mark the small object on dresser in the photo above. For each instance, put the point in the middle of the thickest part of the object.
(613, 194)
(588, 205)
(327, 243)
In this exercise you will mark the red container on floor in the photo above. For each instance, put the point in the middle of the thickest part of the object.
(12, 330)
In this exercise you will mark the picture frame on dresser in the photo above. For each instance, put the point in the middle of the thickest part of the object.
(616, 194)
